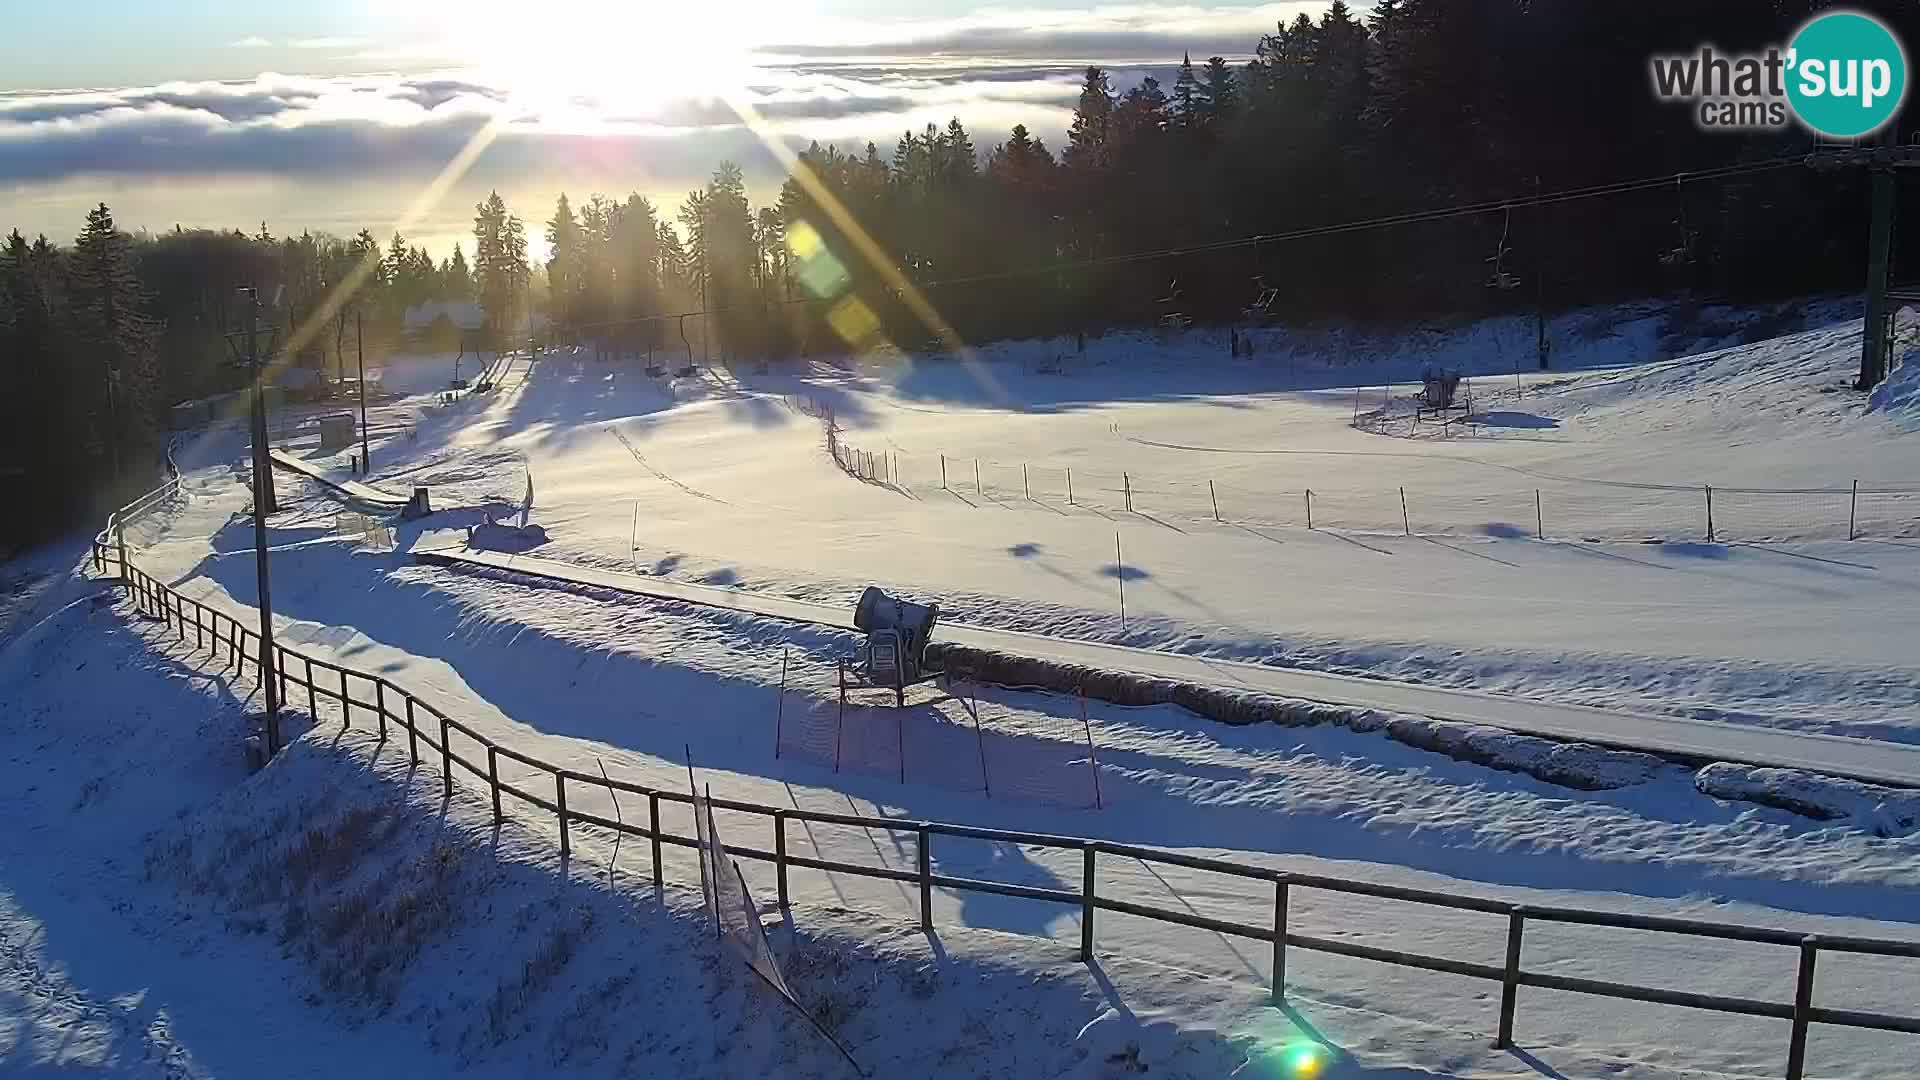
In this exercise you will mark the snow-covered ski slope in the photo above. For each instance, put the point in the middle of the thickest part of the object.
(722, 480)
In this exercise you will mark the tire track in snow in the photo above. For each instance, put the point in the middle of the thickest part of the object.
(649, 466)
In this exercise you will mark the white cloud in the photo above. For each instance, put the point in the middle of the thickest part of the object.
(255, 42)
(330, 43)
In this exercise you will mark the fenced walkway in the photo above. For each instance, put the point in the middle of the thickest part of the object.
(435, 738)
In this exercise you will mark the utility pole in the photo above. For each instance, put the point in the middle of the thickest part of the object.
(360, 346)
(263, 504)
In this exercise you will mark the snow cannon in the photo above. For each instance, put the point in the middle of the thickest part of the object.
(895, 653)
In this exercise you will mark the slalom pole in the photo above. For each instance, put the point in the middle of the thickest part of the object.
(1093, 762)
(780, 704)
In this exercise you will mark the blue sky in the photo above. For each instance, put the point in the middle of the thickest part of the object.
(336, 114)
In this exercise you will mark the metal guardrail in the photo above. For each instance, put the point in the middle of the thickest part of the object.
(431, 735)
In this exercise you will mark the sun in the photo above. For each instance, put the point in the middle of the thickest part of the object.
(582, 65)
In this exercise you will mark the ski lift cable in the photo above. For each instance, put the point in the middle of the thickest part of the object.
(1415, 217)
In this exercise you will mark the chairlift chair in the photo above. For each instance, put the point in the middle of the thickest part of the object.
(1500, 277)
(1173, 318)
(1262, 306)
(1682, 253)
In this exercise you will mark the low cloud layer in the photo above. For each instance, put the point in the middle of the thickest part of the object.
(400, 129)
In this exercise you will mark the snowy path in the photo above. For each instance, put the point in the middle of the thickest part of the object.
(1862, 759)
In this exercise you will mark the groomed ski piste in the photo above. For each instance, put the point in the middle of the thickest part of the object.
(202, 893)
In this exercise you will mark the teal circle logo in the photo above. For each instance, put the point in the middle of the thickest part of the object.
(1847, 74)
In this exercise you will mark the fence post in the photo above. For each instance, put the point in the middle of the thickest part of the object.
(1025, 487)
(413, 739)
(1405, 525)
(1069, 487)
(1280, 939)
(1510, 981)
(1086, 902)
(1802, 1007)
(120, 543)
(346, 703)
(1309, 508)
(780, 853)
(943, 472)
(924, 856)
(976, 478)
(1709, 490)
(493, 778)
(380, 703)
(1215, 496)
(1126, 484)
(1853, 503)
(1539, 522)
(560, 800)
(446, 762)
(653, 815)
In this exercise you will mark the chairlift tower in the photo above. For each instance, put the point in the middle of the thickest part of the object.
(1880, 163)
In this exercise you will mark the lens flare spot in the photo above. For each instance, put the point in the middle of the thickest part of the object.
(855, 322)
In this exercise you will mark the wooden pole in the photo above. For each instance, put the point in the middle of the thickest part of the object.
(1539, 522)
(1120, 576)
(1405, 525)
(1309, 508)
(1279, 940)
(1025, 487)
(976, 477)
(1086, 903)
(1215, 496)
(1853, 503)
(1069, 487)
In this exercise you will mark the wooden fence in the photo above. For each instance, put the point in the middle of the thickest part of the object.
(430, 735)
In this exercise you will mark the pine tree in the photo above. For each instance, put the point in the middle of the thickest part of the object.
(1220, 97)
(1089, 138)
(456, 279)
(1185, 92)
(959, 162)
(563, 264)
(115, 339)
(499, 262)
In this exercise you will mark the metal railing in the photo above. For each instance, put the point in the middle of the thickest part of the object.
(429, 733)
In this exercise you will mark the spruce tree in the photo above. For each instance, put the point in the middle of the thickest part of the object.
(115, 339)
(563, 262)
(1185, 92)
(1089, 138)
